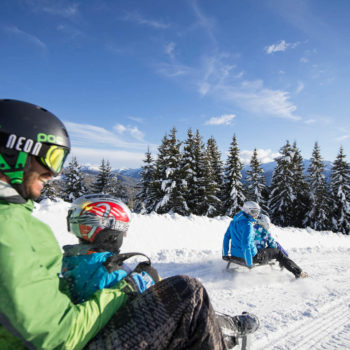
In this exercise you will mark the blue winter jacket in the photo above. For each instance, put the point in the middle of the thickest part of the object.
(241, 234)
(84, 270)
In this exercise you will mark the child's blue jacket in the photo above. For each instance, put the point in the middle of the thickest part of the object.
(84, 270)
(263, 238)
(241, 234)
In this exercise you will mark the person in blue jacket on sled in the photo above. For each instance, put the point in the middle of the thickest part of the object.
(242, 233)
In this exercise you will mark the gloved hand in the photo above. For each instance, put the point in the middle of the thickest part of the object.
(135, 283)
(147, 267)
(128, 286)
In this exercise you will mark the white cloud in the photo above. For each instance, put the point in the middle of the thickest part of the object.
(136, 119)
(119, 128)
(256, 99)
(65, 9)
(225, 119)
(27, 37)
(139, 19)
(173, 70)
(281, 46)
(67, 12)
(300, 87)
(310, 121)
(169, 49)
(304, 60)
(343, 138)
(82, 135)
(133, 131)
(264, 156)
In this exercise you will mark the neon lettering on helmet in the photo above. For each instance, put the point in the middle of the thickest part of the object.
(23, 144)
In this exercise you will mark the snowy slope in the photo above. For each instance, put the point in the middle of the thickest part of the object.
(294, 314)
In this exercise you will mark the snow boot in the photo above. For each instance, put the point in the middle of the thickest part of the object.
(235, 327)
(303, 274)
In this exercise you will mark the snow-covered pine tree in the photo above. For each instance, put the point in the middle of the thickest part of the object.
(115, 188)
(234, 193)
(318, 215)
(170, 184)
(146, 194)
(300, 188)
(340, 191)
(205, 200)
(73, 184)
(214, 157)
(103, 178)
(282, 196)
(50, 190)
(256, 182)
(188, 164)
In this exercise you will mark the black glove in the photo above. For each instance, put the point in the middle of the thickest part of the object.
(128, 286)
(147, 267)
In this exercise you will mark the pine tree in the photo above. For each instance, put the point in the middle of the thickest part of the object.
(115, 188)
(103, 178)
(234, 196)
(214, 158)
(318, 216)
(256, 183)
(205, 201)
(50, 190)
(282, 196)
(146, 196)
(300, 188)
(170, 186)
(340, 191)
(188, 164)
(73, 181)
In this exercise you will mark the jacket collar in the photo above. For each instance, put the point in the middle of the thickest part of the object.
(10, 195)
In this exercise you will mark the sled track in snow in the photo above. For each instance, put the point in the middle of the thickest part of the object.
(329, 330)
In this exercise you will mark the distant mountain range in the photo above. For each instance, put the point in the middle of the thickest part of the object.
(133, 175)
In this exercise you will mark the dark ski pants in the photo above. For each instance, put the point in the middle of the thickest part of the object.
(267, 254)
(173, 314)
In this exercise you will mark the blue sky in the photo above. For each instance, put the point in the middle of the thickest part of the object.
(121, 74)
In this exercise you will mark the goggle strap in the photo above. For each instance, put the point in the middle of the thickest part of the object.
(16, 173)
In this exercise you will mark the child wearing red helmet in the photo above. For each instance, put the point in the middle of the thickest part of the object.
(100, 222)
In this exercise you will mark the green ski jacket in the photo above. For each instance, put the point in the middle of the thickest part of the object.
(34, 312)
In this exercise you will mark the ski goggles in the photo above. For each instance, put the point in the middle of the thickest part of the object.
(254, 212)
(52, 157)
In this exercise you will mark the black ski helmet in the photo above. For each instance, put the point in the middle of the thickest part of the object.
(27, 129)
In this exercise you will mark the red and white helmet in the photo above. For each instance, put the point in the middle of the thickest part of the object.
(92, 213)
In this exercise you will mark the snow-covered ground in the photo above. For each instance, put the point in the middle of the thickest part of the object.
(313, 313)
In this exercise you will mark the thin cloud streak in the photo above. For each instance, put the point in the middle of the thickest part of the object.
(137, 18)
(84, 134)
(27, 37)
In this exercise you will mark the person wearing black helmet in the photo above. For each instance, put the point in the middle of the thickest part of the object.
(36, 312)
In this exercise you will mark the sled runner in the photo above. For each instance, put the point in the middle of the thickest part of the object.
(239, 261)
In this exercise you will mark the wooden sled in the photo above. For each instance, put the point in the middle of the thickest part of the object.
(241, 262)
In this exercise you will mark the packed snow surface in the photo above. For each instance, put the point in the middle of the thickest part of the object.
(312, 313)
